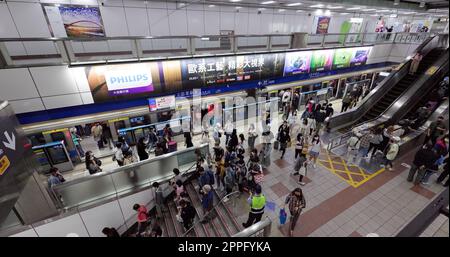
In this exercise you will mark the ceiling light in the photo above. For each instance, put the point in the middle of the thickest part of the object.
(369, 10)
(57, 5)
(382, 11)
(235, 1)
(327, 12)
(238, 7)
(422, 4)
(353, 8)
(268, 2)
(344, 13)
(205, 38)
(294, 4)
(334, 7)
(281, 10)
(211, 6)
(319, 12)
(317, 6)
(396, 2)
(299, 11)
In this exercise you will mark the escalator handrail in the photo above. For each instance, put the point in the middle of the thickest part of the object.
(388, 82)
(210, 211)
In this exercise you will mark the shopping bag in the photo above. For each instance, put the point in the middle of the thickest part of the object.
(283, 216)
(276, 145)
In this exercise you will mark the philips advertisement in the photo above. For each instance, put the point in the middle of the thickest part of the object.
(132, 79)
(360, 57)
(321, 60)
(297, 63)
(342, 57)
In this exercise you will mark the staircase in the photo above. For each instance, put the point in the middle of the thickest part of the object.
(222, 222)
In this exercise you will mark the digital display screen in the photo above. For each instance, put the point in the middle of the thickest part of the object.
(161, 103)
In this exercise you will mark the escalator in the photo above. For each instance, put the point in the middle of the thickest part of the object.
(397, 90)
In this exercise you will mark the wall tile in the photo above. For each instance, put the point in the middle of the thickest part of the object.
(60, 101)
(17, 84)
(54, 80)
(29, 105)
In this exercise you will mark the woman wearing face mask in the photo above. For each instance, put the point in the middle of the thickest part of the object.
(315, 149)
(296, 202)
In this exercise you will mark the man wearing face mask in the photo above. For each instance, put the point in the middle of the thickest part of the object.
(437, 128)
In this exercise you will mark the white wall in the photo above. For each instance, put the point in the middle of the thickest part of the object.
(91, 222)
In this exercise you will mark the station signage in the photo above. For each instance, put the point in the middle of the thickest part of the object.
(114, 82)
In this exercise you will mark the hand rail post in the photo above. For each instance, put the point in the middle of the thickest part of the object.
(323, 40)
(190, 45)
(234, 44)
(269, 42)
(138, 48)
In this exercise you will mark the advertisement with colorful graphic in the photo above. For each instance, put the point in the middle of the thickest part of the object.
(360, 57)
(321, 60)
(297, 63)
(128, 81)
(323, 22)
(342, 57)
(82, 21)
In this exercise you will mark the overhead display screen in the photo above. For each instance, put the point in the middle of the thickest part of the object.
(151, 79)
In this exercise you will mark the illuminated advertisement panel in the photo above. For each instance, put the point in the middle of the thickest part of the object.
(361, 54)
(342, 57)
(321, 60)
(297, 63)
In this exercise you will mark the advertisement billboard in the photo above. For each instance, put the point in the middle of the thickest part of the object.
(297, 63)
(342, 57)
(360, 56)
(77, 21)
(321, 60)
(323, 22)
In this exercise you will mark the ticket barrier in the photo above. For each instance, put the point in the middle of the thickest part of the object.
(53, 154)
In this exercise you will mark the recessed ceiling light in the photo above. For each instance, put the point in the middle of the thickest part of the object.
(334, 7)
(317, 6)
(268, 2)
(422, 4)
(235, 1)
(299, 11)
(294, 4)
(369, 10)
(281, 10)
(211, 6)
(238, 7)
(353, 8)
(344, 13)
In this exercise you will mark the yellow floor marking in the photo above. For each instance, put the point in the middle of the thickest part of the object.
(366, 177)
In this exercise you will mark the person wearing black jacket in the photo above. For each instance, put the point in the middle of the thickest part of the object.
(141, 149)
(284, 138)
(320, 118)
(444, 173)
(187, 214)
(423, 160)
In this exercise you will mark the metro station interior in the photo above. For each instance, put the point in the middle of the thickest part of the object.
(224, 118)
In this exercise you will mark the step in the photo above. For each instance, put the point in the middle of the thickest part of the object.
(169, 223)
(193, 195)
(226, 218)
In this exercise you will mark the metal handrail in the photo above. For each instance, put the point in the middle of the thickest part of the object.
(265, 225)
(208, 212)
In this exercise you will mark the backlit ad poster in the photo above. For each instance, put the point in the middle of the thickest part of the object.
(129, 81)
(82, 21)
(198, 72)
(321, 60)
(360, 56)
(259, 66)
(297, 63)
(323, 22)
(342, 57)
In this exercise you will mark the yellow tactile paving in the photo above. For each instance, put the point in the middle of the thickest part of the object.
(355, 176)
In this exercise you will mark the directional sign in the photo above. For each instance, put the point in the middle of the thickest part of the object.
(10, 140)
(4, 164)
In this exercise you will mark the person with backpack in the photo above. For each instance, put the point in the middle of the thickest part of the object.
(296, 202)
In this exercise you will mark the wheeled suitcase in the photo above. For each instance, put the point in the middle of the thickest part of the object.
(172, 146)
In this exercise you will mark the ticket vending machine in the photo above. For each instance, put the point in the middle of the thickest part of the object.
(53, 154)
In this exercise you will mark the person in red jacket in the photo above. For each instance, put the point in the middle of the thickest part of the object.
(142, 217)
